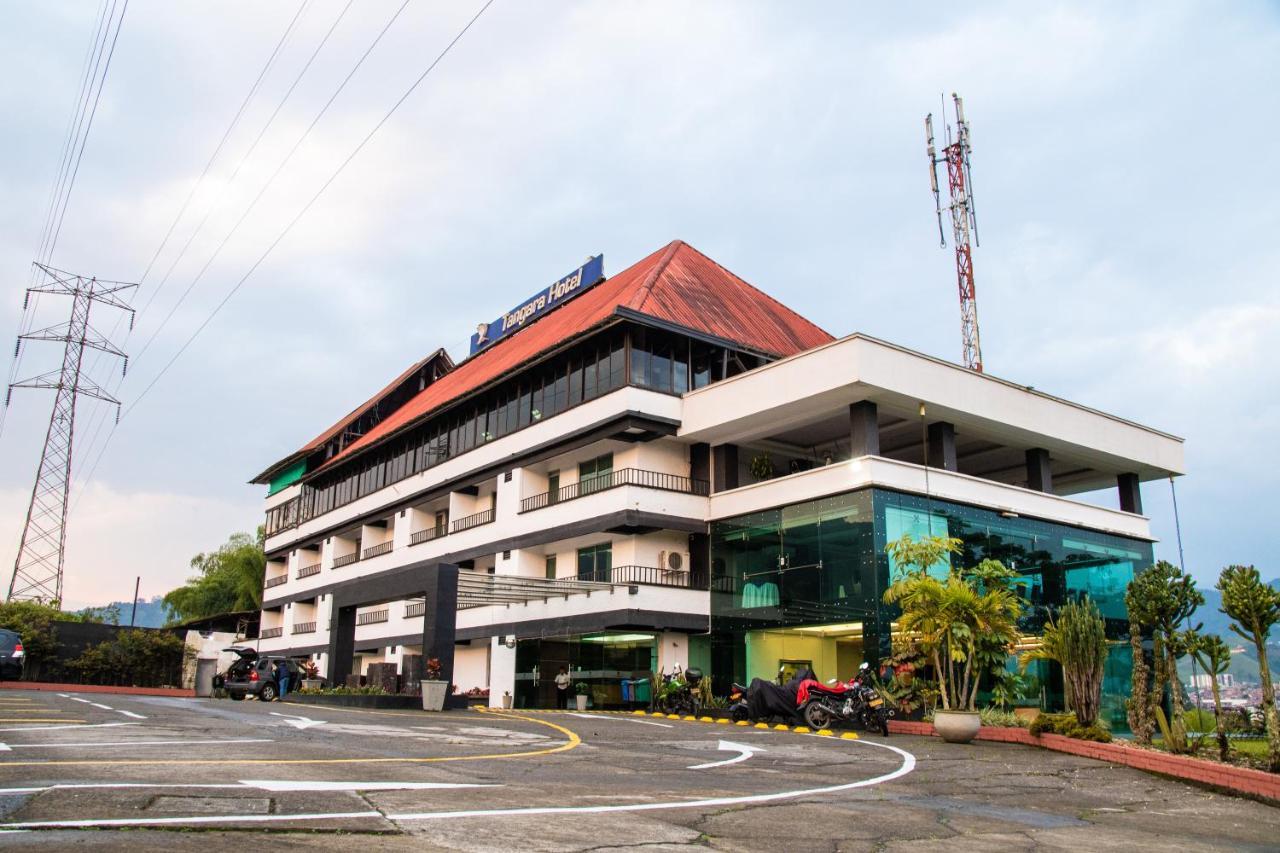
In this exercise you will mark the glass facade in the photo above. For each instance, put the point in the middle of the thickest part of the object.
(804, 583)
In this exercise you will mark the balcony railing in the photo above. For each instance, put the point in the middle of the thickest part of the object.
(428, 534)
(373, 617)
(271, 633)
(471, 521)
(415, 608)
(377, 550)
(275, 581)
(648, 576)
(622, 477)
(308, 571)
(346, 559)
(303, 628)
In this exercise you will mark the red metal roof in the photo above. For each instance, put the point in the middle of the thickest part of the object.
(676, 284)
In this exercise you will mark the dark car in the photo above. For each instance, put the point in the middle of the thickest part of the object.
(252, 675)
(12, 657)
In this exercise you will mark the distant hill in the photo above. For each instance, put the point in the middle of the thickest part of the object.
(151, 612)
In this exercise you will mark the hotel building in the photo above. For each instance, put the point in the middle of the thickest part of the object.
(669, 467)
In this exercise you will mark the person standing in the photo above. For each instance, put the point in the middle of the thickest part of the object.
(562, 688)
(282, 679)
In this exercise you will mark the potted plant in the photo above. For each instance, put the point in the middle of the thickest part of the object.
(761, 467)
(582, 691)
(964, 623)
(434, 690)
(311, 679)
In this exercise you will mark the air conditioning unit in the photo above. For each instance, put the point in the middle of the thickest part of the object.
(676, 560)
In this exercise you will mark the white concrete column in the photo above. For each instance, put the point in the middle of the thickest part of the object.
(673, 649)
(502, 671)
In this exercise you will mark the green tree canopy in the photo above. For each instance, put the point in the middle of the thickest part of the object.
(226, 580)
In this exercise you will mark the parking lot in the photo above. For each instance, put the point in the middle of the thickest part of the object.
(114, 771)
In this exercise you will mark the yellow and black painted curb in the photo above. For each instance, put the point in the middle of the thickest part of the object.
(688, 718)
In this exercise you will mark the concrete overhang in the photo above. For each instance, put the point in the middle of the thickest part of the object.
(822, 382)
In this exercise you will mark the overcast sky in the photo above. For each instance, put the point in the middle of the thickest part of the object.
(1123, 168)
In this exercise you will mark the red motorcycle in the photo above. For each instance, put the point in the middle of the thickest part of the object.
(854, 701)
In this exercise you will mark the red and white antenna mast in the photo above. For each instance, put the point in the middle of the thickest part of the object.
(963, 223)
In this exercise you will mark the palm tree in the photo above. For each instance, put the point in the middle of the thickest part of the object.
(952, 617)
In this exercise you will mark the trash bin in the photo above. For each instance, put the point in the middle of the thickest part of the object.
(206, 669)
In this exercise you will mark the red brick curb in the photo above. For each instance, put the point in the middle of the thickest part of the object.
(1244, 780)
(97, 688)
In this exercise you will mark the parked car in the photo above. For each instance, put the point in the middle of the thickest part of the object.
(12, 658)
(251, 675)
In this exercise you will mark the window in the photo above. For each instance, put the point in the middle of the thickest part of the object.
(551, 567)
(553, 487)
(595, 474)
(596, 562)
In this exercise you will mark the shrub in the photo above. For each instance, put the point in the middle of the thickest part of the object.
(1068, 726)
(134, 658)
(34, 622)
(1077, 641)
(1001, 718)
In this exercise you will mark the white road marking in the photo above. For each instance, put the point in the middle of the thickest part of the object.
(260, 784)
(298, 722)
(730, 746)
(65, 695)
(78, 699)
(169, 821)
(908, 765)
(624, 719)
(67, 726)
(4, 747)
(103, 707)
(292, 785)
(135, 743)
(131, 714)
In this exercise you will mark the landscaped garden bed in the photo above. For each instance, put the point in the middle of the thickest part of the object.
(1242, 780)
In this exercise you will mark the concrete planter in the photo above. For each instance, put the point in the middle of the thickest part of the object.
(433, 695)
(312, 683)
(582, 702)
(957, 726)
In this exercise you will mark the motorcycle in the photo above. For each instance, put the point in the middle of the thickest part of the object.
(739, 709)
(853, 702)
(767, 700)
(678, 693)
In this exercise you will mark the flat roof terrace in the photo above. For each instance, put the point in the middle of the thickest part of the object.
(972, 423)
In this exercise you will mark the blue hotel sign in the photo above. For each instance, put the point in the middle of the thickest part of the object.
(588, 275)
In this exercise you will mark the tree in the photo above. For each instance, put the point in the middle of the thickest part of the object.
(1163, 598)
(34, 623)
(1254, 608)
(227, 580)
(1077, 640)
(953, 617)
(1215, 657)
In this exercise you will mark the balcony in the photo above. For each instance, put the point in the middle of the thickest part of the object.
(471, 521)
(304, 628)
(415, 608)
(373, 617)
(376, 550)
(648, 576)
(308, 571)
(639, 477)
(271, 633)
(275, 581)
(428, 534)
(346, 559)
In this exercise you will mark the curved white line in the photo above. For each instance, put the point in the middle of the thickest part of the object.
(908, 764)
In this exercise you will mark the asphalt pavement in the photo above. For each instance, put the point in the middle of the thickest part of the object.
(121, 771)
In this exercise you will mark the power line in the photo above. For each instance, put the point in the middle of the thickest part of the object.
(288, 228)
(99, 418)
(155, 334)
(64, 181)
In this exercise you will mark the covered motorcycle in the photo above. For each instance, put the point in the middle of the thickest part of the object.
(765, 700)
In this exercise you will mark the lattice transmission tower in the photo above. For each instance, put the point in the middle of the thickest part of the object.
(37, 572)
(964, 223)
